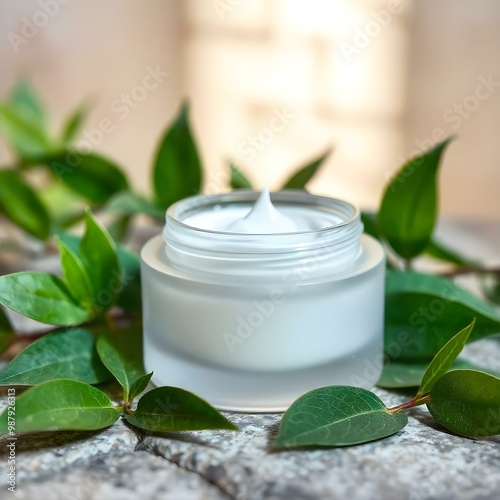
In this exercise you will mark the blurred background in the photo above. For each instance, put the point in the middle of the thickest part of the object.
(273, 83)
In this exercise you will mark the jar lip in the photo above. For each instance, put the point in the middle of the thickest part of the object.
(248, 195)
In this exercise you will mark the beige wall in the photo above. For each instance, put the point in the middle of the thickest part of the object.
(371, 77)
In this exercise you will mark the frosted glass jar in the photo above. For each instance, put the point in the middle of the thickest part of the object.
(252, 321)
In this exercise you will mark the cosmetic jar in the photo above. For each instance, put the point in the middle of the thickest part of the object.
(251, 300)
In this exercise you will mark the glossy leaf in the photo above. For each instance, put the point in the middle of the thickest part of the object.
(467, 402)
(21, 204)
(337, 416)
(75, 275)
(177, 171)
(41, 296)
(439, 251)
(128, 203)
(423, 311)
(73, 124)
(410, 374)
(238, 178)
(409, 206)
(27, 139)
(121, 353)
(6, 331)
(303, 175)
(65, 354)
(99, 255)
(90, 175)
(167, 409)
(444, 359)
(140, 385)
(61, 404)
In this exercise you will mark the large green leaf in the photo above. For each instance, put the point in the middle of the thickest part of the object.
(409, 206)
(444, 359)
(303, 175)
(90, 175)
(99, 256)
(168, 409)
(337, 416)
(238, 179)
(22, 205)
(403, 375)
(423, 311)
(121, 352)
(467, 402)
(61, 404)
(65, 354)
(177, 172)
(128, 203)
(43, 297)
(75, 275)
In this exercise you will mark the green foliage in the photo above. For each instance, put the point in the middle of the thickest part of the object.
(409, 206)
(61, 404)
(167, 409)
(337, 416)
(303, 175)
(128, 203)
(73, 124)
(6, 331)
(177, 171)
(238, 178)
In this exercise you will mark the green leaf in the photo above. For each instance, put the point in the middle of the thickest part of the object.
(490, 285)
(65, 354)
(121, 353)
(73, 124)
(177, 172)
(405, 375)
(140, 385)
(75, 275)
(369, 221)
(27, 139)
(90, 175)
(167, 409)
(99, 256)
(337, 416)
(6, 331)
(439, 251)
(303, 175)
(444, 359)
(467, 402)
(423, 311)
(43, 297)
(409, 206)
(238, 178)
(127, 203)
(61, 404)
(22, 205)
(28, 103)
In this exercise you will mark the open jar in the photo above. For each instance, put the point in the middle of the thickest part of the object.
(250, 310)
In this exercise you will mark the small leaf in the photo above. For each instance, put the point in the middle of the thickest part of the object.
(439, 251)
(423, 311)
(73, 124)
(405, 375)
(140, 385)
(337, 416)
(409, 206)
(444, 359)
(127, 203)
(28, 103)
(99, 256)
(303, 175)
(90, 175)
(6, 331)
(27, 139)
(22, 205)
(41, 296)
(467, 402)
(65, 354)
(61, 404)
(238, 178)
(177, 172)
(121, 353)
(168, 409)
(75, 275)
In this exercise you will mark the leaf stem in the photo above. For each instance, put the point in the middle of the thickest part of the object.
(471, 270)
(416, 401)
